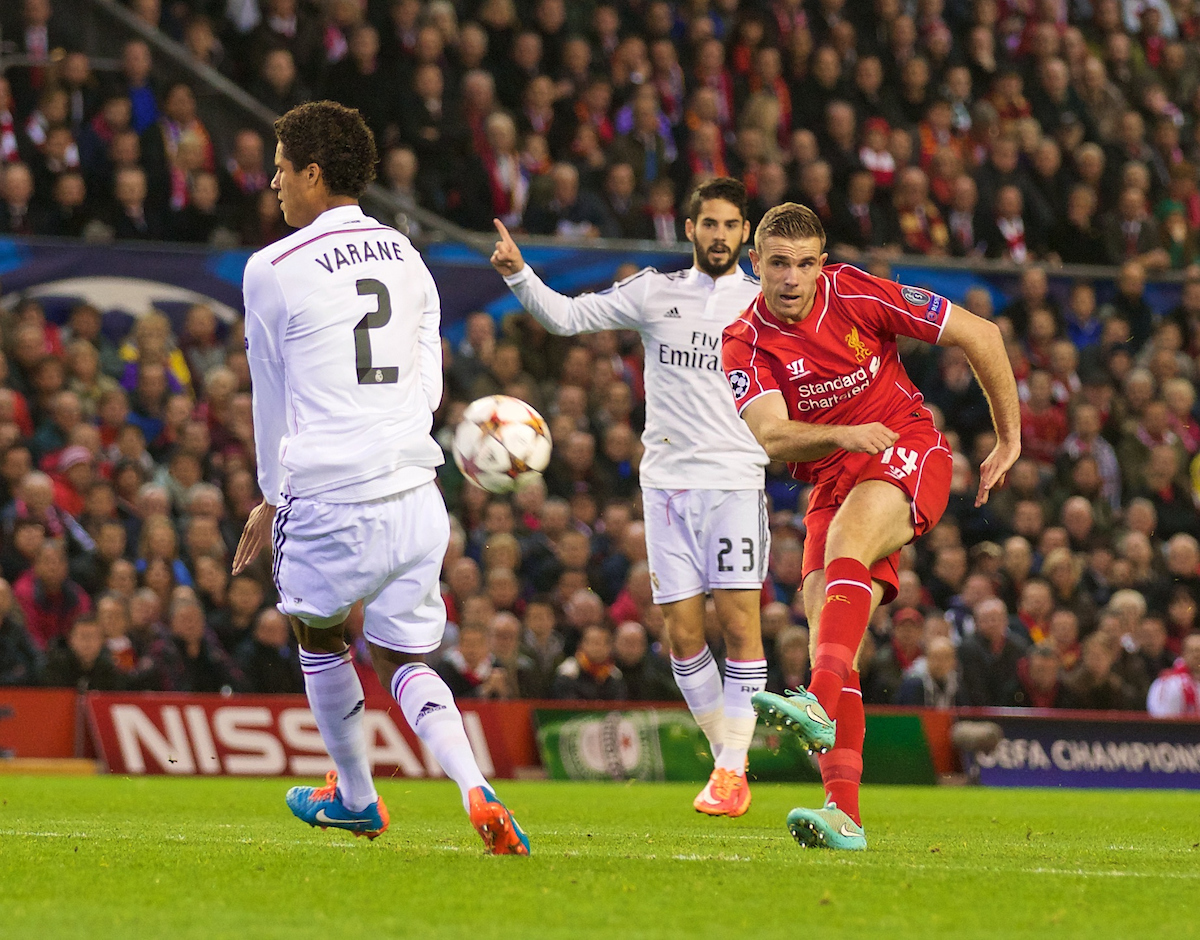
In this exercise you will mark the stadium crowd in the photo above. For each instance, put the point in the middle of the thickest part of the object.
(1024, 131)
(1015, 129)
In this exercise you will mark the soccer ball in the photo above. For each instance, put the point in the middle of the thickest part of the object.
(501, 442)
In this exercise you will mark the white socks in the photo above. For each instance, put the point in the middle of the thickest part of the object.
(700, 683)
(430, 711)
(742, 679)
(335, 696)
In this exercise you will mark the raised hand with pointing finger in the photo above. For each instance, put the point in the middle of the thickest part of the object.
(507, 257)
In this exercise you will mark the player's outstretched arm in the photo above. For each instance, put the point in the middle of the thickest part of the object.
(618, 308)
(980, 339)
(507, 257)
(798, 442)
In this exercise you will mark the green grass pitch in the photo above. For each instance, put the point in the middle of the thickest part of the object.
(100, 857)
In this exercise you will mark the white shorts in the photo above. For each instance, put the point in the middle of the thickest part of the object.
(387, 553)
(698, 540)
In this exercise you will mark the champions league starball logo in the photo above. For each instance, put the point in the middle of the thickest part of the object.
(739, 381)
(132, 296)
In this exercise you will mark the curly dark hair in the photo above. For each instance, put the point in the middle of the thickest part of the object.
(336, 139)
(723, 187)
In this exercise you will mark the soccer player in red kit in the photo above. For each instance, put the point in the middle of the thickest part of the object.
(815, 373)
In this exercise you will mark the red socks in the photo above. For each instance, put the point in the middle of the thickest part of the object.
(841, 768)
(848, 596)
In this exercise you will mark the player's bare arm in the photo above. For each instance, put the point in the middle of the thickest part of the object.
(799, 442)
(254, 536)
(980, 339)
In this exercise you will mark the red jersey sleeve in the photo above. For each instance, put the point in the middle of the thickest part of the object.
(908, 311)
(749, 375)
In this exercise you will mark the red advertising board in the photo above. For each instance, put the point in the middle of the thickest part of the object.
(38, 722)
(276, 735)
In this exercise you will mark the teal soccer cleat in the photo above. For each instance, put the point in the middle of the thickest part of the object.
(798, 711)
(322, 806)
(826, 828)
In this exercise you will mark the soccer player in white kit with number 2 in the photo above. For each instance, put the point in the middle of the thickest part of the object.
(702, 473)
(342, 336)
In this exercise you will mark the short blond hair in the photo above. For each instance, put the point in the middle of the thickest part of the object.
(789, 220)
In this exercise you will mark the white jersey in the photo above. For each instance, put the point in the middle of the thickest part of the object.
(694, 438)
(342, 337)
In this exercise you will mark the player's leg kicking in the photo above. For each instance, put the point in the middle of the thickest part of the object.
(857, 525)
(874, 521)
(838, 823)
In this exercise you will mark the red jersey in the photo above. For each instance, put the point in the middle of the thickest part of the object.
(839, 364)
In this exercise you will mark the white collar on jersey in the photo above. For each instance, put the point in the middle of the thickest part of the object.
(695, 274)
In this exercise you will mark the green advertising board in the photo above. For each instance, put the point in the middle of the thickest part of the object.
(667, 744)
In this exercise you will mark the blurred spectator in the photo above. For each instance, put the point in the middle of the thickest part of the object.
(468, 668)
(112, 613)
(543, 644)
(791, 665)
(187, 658)
(591, 673)
(131, 217)
(1093, 684)
(284, 24)
(1130, 304)
(1131, 234)
(1039, 681)
(515, 671)
(50, 601)
(569, 212)
(990, 655)
(267, 659)
(935, 681)
(1075, 237)
(890, 663)
(278, 86)
(20, 659)
(83, 662)
(647, 676)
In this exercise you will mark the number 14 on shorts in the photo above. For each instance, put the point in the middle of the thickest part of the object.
(902, 461)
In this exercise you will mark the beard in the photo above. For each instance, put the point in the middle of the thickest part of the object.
(716, 268)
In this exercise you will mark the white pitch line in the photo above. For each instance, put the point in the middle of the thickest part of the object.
(859, 861)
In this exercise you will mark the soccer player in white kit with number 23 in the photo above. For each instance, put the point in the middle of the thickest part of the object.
(342, 336)
(702, 473)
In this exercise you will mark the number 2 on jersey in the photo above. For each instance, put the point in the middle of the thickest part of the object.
(367, 373)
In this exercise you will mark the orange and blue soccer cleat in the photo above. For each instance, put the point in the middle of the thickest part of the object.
(495, 824)
(322, 806)
(727, 793)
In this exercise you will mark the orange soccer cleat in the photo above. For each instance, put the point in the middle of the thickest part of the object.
(495, 824)
(727, 793)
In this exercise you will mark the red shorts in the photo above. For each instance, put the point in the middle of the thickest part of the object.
(919, 464)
